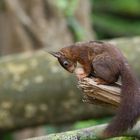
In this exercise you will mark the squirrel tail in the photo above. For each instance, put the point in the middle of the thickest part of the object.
(129, 109)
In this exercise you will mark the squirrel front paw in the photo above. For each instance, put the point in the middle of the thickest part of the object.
(100, 81)
(80, 74)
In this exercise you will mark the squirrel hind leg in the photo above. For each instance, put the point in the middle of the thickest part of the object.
(104, 75)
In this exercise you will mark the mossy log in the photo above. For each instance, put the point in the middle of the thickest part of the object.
(91, 133)
(95, 94)
(34, 89)
(103, 95)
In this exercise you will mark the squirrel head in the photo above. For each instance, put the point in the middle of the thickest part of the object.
(64, 61)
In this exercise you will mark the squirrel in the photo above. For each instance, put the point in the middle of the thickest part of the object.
(107, 63)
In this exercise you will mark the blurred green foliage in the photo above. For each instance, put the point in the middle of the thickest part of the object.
(116, 18)
(110, 18)
(129, 8)
(68, 8)
(88, 123)
(6, 136)
(2, 6)
(111, 26)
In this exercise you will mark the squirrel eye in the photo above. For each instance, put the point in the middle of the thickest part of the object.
(65, 63)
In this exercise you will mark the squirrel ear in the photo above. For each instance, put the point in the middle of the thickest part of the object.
(56, 54)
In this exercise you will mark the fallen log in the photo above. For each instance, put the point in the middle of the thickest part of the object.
(95, 94)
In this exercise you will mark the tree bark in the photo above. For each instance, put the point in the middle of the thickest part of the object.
(91, 133)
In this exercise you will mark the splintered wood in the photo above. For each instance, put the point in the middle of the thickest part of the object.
(98, 94)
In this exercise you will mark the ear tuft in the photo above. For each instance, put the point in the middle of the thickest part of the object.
(55, 54)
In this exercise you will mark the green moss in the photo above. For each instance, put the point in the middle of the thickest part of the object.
(88, 123)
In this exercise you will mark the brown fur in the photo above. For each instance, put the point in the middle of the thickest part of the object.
(108, 63)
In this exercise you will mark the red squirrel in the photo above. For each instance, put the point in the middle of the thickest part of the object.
(107, 63)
